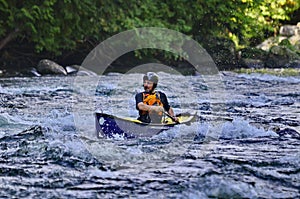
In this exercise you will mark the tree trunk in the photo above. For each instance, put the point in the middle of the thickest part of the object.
(8, 38)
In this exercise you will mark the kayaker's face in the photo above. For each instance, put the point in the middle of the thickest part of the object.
(148, 86)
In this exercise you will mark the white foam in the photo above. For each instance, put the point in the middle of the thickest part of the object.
(6, 119)
(240, 128)
(95, 172)
(179, 131)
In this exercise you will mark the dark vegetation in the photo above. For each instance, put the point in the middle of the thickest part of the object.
(67, 30)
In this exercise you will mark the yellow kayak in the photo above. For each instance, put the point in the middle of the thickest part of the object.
(112, 126)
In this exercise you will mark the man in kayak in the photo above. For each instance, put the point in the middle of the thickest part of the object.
(152, 104)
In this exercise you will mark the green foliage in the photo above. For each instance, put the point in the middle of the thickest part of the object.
(56, 25)
(286, 43)
(50, 25)
(246, 21)
(253, 53)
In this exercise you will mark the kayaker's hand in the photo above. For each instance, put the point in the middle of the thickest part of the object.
(176, 119)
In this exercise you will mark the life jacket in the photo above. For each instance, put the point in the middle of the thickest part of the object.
(152, 99)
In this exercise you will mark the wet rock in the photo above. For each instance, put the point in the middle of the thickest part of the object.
(86, 72)
(72, 69)
(46, 67)
(35, 72)
(79, 70)
(83, 71)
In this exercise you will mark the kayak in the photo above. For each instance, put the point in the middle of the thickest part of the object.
(116, 127)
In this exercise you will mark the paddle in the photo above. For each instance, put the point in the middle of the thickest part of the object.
(167, 114)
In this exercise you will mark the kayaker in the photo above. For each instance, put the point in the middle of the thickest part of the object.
(152, 104)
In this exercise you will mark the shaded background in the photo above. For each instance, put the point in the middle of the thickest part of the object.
(65, 31)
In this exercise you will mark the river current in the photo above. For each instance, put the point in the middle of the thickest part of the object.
(248, 148)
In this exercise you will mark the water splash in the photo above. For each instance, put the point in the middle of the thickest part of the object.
(240, 128)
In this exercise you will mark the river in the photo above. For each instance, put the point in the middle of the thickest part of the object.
(249, 148)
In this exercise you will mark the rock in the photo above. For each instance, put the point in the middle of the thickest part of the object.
(289, 30)
(284, 52)
(72, 69)
(279, 56)
(252, 63)
(295, 39)
(46, 67)
(293, 64)
(297, 45)
(289, 33)
(79, 70)
(35, 72)
(83, 71)
(267, 44)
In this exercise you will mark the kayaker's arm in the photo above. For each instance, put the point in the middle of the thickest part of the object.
(145, 107)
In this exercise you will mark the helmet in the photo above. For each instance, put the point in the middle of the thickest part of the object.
(151, 76)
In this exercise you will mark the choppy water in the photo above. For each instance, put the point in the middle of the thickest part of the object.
(49, 148)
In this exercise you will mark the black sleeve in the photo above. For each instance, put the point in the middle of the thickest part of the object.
(164, 100)
(138, 99)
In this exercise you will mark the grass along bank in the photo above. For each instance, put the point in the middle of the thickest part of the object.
(271, 71)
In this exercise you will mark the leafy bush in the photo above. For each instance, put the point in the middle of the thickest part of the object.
(53, 25)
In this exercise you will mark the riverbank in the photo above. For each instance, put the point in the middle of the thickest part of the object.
(270, 71)
(186, 70)
(281, 52)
